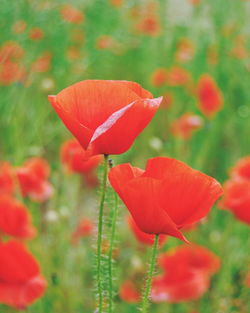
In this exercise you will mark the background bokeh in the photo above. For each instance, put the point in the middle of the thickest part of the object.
(128, 40)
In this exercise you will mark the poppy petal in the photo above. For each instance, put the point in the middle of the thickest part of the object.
(136, 88)
(91, 102)
(186, 194)
(15, 219)
(121, 175)
(82, 133)
(126, 123)
(141, 195)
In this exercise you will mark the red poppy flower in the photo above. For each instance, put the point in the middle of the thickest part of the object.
(194, 2)
(33, 179)
(184, 286)
(6, 178)
(185, 50)
(105, 42)
(15, 219)
(19, 26)
(185, 125)
(11, 72)
(166, 196)
(98, 113)
(149, 25)
(209, 96)
(42, 63)
(73, 53)
(11, 51)
(116, 3)
(240, 50)
(242, 168)
(76, 159)
(91, 179)
(71, 14)
(178, 76)
(142, 237)
(195, 257)
(237, 198)
(84, 229)
(159, 77)
(36, 33)
(21, 283)
(187, 272)
(129, 293)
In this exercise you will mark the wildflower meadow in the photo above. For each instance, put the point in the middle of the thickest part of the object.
(125, 156)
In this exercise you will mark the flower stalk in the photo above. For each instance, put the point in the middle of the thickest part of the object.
(111, 247)
(145, 299)
(99, 237)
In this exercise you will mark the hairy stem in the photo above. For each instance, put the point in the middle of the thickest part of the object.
(99, 238)
(145, 300)
(111, 247)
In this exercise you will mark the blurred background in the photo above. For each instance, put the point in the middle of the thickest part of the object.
(172, 48)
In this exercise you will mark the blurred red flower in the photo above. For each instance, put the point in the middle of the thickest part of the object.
(73, 53)
(11, 51)
(209, 96)
(71, 14)
(149, 25)
(97, 112)
(128, 292)
(11, 72)
(185, 50)
(194, 2)
(7, 183)
(178, 76)
(242, 168)
(159, 77)
(36, 33)
(19, 26)
(11, 69)
(116, 3)
(195, 257)
(105, 42)
(185, 125)
(237, 198)
(165, 197)
(240, 50)
(84, 229)
(15, 219)
(186, 285)
(147, 239)
(21, 283)
(76, 159)
(187, 271)
(33, 179)
(42, 63)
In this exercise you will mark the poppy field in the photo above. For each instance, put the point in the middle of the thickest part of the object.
(125, 156)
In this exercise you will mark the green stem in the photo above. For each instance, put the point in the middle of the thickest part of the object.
(145, 300)
(111, 247)
(110, 252)
(99, 238)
